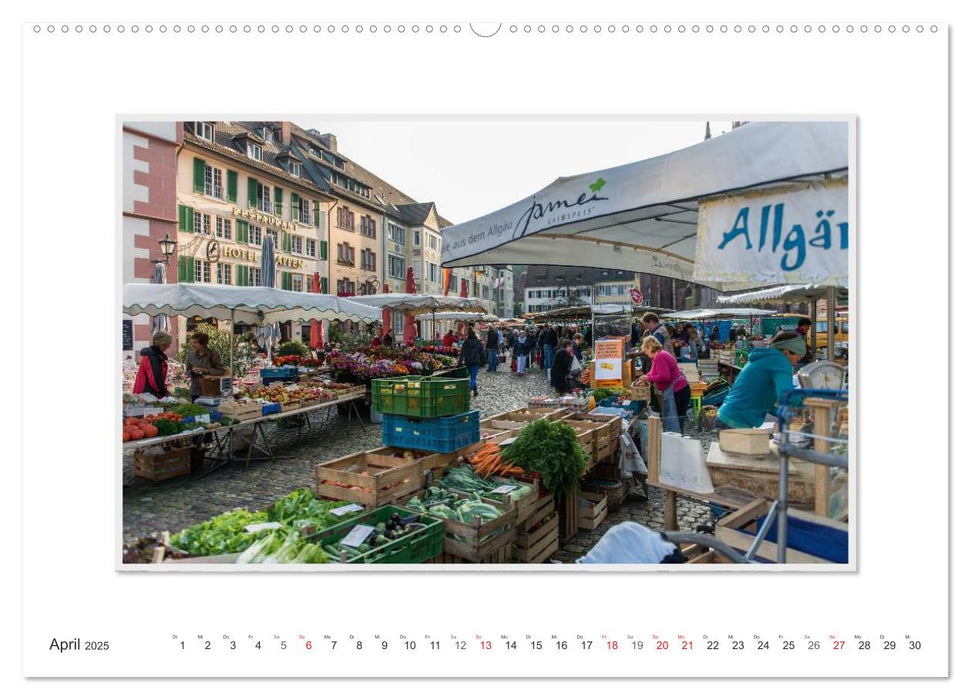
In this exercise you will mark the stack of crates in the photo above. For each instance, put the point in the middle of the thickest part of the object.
(426, 413)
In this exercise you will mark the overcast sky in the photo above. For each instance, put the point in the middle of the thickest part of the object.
(472, 167)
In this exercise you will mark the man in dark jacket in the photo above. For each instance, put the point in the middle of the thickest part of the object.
(560, 371)
(473, 355)
(492, 348)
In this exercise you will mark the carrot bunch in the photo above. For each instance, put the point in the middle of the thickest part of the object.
(488, 462)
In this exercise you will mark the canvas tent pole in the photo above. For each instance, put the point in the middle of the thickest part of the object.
(232, 338)
(830, 321)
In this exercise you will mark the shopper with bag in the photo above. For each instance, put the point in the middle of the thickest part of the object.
(492, 348)
(520, 352)
(670, 381)
(562, 367)
(473, 356)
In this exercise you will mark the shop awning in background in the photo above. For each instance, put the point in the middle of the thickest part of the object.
(645, 216)
(789, 293)
(471, 316)
(715, 314)
(421, 302)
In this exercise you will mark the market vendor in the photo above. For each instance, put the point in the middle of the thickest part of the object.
(760, 384)
(667, 376)
(201, 361)
(560, 369)
(154, 367)
(449, 339)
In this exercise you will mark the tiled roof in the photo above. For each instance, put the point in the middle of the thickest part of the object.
(561, 275)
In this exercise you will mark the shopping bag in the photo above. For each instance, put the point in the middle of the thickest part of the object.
(630, 458)
(683, 464)
(576, 366)
(669, 411)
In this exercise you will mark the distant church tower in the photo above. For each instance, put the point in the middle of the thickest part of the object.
(707, 130)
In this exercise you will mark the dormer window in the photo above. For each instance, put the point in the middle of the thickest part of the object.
(201, 129)
(294, 168)
(267, 133)
(254, 151)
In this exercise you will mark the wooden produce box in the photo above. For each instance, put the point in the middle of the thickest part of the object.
(380, 479)
(477, 542)
(525, 507)
(591, 510)
(640, 392)
(503, 555)
(287, 406)
(566, 508)
(499, 425)
(605, 450)
(158, 465)
(241, 411)
(528, 415)
(608, 427)
(744, 441)
(585, 435)
(538, 537)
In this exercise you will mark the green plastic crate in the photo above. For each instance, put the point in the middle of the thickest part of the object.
(414, 548)
(421, 397)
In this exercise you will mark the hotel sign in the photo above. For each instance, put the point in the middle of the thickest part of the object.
(244, 255)
(261, 217)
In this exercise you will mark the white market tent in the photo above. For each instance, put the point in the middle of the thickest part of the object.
(647, 216)
(421, 302)
(244, 304)
(715, 314)
(469, 316)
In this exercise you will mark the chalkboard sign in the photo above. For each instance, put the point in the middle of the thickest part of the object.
(127, 339)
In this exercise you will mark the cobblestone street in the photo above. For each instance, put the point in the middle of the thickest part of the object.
(178, 503)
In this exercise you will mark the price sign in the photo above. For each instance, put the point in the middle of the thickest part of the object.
(505, 488)
(349, 508)
(609, 362)
(259, 527)
(202, 418)
(356, 537)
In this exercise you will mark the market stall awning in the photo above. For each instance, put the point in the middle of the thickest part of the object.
(421, 302)
(579, 313)
(470, 316)
(646, 216)
(715, 314)
(243, 304)
(789, 293)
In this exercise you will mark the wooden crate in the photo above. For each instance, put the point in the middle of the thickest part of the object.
(241, 411)
(744, 441)
(566, 508)
(503, 555)
(640, 392)
(538, 538)
(159, 466)
(605, 450)
(384, 478)
(591, 510)
(608, 426)
(478, 542)
(528, 415)
(286, 407)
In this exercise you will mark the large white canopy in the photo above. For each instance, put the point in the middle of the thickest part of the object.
(421, 302)
(644, 216)
(713, 314)
(792, 293)
(580, 312)
(243, 304)
(472, 316)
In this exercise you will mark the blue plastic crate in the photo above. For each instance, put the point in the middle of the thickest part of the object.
(633, 406)
(269, 408)
(280, 373)
(445, 434)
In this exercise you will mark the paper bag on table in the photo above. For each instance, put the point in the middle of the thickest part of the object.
(630, 458)
(683, 464)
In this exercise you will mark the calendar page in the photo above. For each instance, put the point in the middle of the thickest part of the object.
(600, 343)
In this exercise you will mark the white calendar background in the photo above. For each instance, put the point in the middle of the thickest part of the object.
(889, 619)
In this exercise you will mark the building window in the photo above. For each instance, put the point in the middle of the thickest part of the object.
(396, 266)
(369, 227)
(431, 272)
(432, 241)
(255, 235)
(297, 283)
(396, 234)
(201, 129)
(276, 238)
(201, 223)
(369, 261)
(345, 254)
(315, 152)
(224, 273)
(453, 283)
(254, 277)
(254, 151)
(297, 244)
(311, 247)
(214, 182)
(203, 271)
(224, 228)
(417, 237)
(398, 322)
(305, 217)
(294, 168)
(345, 218)
(263, 196)
(345, 288)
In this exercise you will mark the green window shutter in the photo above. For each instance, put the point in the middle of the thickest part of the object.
(323, 250)
(324, 286)
(278, 201)
(251, 193)
(186, 271)
(294, 207)
(242, 276)
(242, 231)
(286, 242)
(186, 216)
(198, 174)
(182, 209)
(316, 214)
(231, 186)
(286, 280)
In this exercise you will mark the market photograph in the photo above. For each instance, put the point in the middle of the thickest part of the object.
(523, 344)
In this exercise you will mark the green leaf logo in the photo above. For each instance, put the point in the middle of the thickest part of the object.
(596, 186)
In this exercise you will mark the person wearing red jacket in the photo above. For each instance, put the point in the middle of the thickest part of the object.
(670, 381)
(154, 367)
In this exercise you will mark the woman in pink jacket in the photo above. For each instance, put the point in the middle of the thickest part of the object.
(670, 381)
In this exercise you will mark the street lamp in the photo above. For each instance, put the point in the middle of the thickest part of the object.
(168, 249)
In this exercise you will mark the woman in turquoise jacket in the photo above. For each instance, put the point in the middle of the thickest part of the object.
(760, 384)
